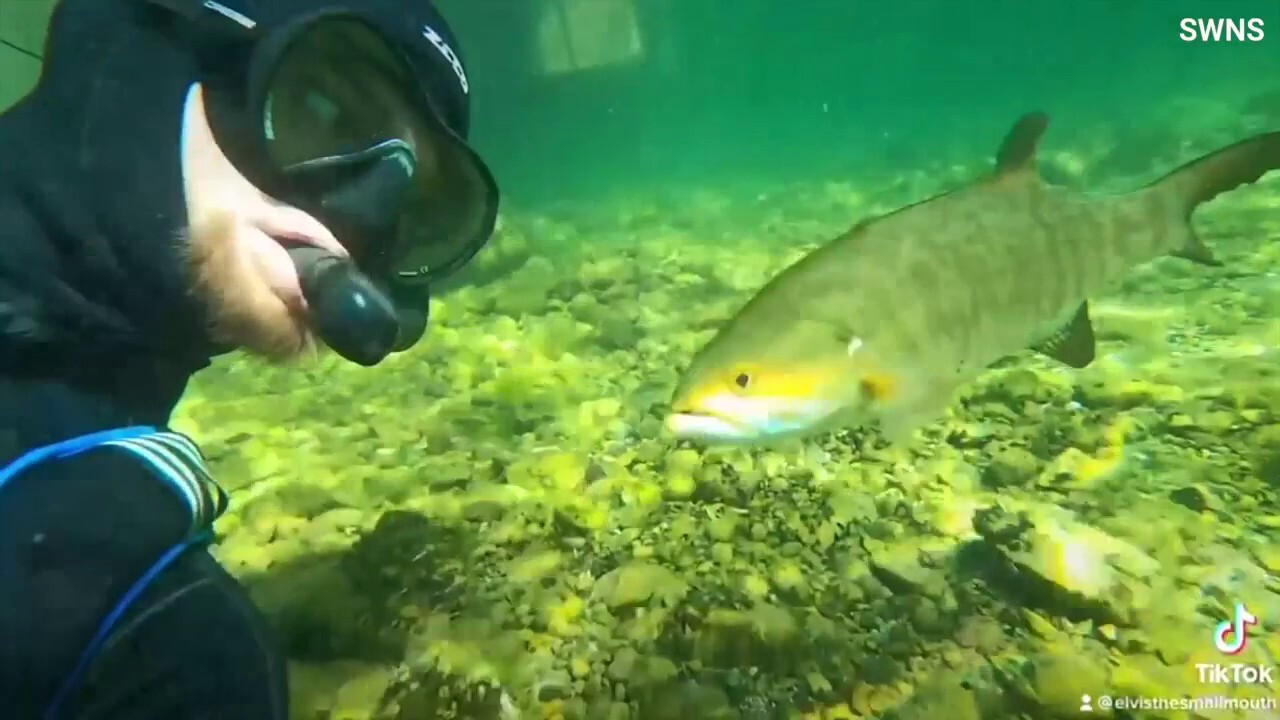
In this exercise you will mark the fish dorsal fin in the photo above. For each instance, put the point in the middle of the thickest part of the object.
(1018, 151)
(1073, 344)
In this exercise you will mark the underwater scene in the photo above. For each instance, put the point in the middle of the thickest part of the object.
(558, 506)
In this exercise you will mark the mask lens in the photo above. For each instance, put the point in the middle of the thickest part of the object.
(336, 89)
(339, 89)
(450, 220)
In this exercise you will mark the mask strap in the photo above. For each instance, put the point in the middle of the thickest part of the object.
(210, 15)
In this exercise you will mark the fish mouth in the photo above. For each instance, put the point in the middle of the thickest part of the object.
(687, 425)
(703, 426)
(734, 421)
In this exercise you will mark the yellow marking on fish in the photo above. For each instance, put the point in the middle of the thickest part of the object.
(760, 381)
(881, 386)
(876, 385)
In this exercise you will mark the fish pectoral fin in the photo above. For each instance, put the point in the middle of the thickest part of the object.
(1073, 344)
(929, 402)
(1197, 252)
(1018, 151)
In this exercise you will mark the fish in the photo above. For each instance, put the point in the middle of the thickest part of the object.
(884, 324)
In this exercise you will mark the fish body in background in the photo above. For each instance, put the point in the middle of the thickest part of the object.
(884, 323)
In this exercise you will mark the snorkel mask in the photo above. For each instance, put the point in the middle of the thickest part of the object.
(328, 112)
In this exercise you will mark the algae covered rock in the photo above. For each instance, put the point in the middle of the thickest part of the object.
(637, 583)
(944, 695)
(527, 290)
(985, 635)
(727, 636)
(346, 688)
(1067, 565)
(1011, 467)
(361, 696)
(506, 252)
(462, 667)
(678, 700)
(1195, 497)
(1055, 681)
(902, 568)
(320, 614)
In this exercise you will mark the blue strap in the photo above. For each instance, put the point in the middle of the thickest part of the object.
(177, 460)
(104, 630)
(67, 448)
(174, 457)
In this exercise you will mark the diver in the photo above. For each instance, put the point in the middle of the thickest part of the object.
(187, 178)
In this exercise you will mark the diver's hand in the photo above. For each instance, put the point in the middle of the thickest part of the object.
(237, 244)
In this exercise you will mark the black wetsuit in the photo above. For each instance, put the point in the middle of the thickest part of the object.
(98, 331)
(110, 603)
(77, 533)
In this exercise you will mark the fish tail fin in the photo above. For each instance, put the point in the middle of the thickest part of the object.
(1207, 177)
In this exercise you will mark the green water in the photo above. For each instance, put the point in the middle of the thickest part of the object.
(831, 87)
(493, 525)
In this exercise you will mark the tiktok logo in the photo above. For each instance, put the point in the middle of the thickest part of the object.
(1231, 636)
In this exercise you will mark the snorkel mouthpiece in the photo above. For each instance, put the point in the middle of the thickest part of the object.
(348, 311)
(359, 197)
(363, 192)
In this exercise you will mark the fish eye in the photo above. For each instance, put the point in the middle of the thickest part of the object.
(742, 380)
